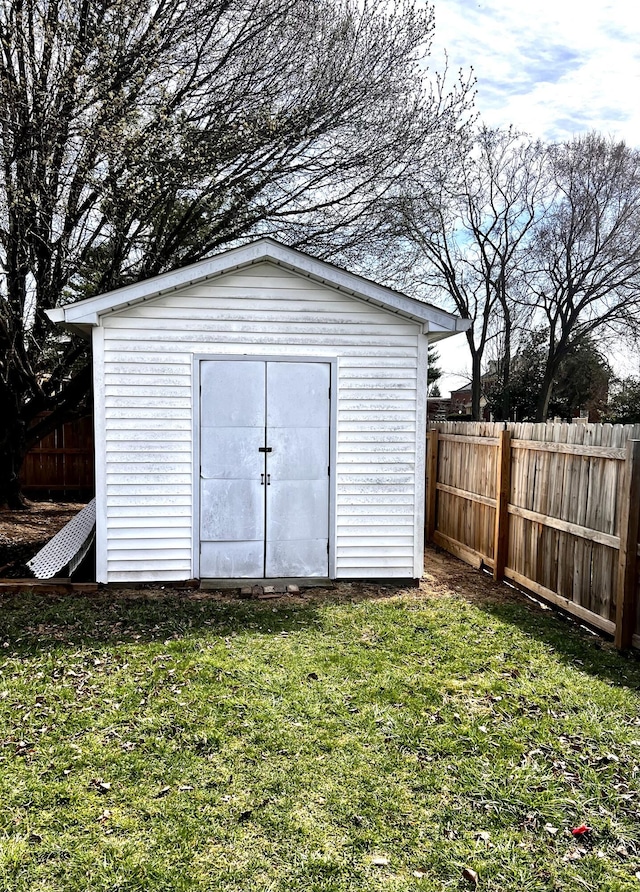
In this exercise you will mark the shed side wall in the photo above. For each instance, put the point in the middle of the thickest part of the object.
(264, 310)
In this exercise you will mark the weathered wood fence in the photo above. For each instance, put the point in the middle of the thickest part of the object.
(553, 507)
(60, 466)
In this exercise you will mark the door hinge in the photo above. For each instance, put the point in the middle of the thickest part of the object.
(329, 391)
(327, 546)
(329, 471)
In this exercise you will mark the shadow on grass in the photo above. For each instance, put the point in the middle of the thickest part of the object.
(32, 622)
(570, 641)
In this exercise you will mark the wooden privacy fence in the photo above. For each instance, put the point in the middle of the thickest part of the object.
(60, 466)
(553, 507)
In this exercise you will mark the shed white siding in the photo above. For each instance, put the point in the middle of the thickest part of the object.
(145, 406)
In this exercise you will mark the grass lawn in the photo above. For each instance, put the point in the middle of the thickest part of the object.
(369, 739)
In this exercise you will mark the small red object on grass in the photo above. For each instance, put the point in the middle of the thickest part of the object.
(582, 830)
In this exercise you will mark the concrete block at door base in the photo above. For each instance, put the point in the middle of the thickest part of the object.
(268, 591)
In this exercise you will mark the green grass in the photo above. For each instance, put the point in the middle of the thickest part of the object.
(298, 742)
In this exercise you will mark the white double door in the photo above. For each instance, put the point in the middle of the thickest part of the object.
(264, 469)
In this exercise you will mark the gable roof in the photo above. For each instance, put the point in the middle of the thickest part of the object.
(84, 314)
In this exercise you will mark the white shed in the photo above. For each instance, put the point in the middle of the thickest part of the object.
(259, 414)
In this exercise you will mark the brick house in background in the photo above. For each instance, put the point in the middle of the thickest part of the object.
(460, 401)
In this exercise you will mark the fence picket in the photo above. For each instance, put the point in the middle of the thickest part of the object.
(627, 591)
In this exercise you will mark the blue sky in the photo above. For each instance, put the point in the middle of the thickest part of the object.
(551, 68)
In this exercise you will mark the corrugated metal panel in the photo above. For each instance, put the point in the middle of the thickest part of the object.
(263, 310)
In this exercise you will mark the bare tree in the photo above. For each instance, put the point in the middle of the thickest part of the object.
(587, 280)
(136, 136)
(473, 233)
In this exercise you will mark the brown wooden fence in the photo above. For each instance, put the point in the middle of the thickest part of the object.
(553, 507)
(61, 465)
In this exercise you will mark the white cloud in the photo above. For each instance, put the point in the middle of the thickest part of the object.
(553, 69)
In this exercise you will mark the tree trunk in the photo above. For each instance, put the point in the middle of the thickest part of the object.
(476, 386)
(546, 392)
(13, 448)
(505, 401)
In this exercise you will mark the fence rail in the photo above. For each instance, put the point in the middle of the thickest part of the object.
(555, 508)
(61, 465)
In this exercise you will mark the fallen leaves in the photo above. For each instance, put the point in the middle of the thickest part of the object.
(24, 747)
(100, 786)
(610, 757)
(470, 876)
(182, 788)
(574, 854)
(380, 861)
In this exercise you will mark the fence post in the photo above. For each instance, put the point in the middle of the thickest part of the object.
(627, 586)
(503, 485)
(432, 479)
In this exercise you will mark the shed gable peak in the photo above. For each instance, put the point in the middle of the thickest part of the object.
(264, 280)
(87, 313)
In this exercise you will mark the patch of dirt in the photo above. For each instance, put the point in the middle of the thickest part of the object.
(445, 574)
(23, 533)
